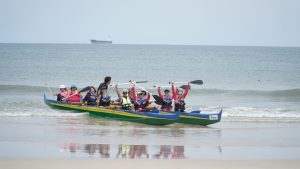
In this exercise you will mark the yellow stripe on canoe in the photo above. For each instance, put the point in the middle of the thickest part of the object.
(191, 117)
(102, 110)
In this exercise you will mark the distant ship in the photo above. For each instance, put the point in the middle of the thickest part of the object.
(108, 41)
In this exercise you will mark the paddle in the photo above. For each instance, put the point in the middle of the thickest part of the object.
(196, 82)
(182, 86)
(143, 81)
(84, 89)
(143, 88)
(52, 93)
(158, 100)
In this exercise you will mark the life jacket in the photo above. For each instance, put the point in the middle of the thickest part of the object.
(141, 104)
(93, 97)
(180, 106)
(105, 99)
(74, 98)
(167, 102)
(63, 94)
(126, 103)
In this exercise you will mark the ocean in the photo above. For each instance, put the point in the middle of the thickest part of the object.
(257, 88)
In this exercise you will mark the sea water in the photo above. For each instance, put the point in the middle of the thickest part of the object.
(258, 86)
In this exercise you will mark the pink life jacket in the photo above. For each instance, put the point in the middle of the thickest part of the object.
(73, 97)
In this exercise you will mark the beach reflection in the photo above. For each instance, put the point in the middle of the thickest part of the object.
(126, 151)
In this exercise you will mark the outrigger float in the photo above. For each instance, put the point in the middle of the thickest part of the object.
(154, 117)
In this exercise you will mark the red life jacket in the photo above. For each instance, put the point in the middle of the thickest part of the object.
(74, 97)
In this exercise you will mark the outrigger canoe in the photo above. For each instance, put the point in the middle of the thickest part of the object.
(154, 117)
(194, 117)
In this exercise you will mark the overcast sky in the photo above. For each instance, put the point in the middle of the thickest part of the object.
(189, 22)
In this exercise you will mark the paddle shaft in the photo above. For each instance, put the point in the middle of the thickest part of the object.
(144, 81)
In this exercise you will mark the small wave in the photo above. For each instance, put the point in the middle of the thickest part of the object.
(275, 93)
(261, 114)
(41, 114)
(23, 88)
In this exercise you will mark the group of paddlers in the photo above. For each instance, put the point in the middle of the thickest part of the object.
(128, 99)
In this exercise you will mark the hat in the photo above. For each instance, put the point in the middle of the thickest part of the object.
(140, 92)
(62, 87)
(125, 91)
(167, 90)
(73, 85)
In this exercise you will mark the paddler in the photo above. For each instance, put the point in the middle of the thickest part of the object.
(167, 99)
(179, 97)
(73, 94)
(91, 97)
(104, 85)
(63, 93)
(124, 98)
(140, 102)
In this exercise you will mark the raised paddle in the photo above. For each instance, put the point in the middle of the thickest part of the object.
(196, 82)
(143, 81)
(158, 100)
(182, 86)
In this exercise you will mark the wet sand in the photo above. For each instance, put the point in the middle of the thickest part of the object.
(36, 163)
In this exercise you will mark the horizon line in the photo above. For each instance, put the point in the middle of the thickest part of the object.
(66, 43)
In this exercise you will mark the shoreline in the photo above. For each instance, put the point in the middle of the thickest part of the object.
(48, 163)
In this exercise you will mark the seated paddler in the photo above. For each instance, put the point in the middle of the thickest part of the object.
(73, 94)
(91, 98)
(63, 94)
(140, 102)
(167, 99)
(124, 98)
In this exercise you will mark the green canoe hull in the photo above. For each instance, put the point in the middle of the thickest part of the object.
(159, 118)
(199, 119)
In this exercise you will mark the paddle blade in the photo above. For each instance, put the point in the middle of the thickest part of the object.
(84, 89)
(184, 87)
(197, 82)
(158, 100)
(144, 81)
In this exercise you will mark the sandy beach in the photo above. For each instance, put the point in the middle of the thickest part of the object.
(24, 163)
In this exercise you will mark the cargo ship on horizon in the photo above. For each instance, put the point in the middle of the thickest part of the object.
(108, 41)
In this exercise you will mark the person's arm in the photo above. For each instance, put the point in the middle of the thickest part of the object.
(86, 98)
(186, 91)
(133, 93)
(149, 96)
(159, 93)
(174, 93)
(118, 93)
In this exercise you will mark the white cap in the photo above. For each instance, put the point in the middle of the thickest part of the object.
(125, 90)
(62, 87)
